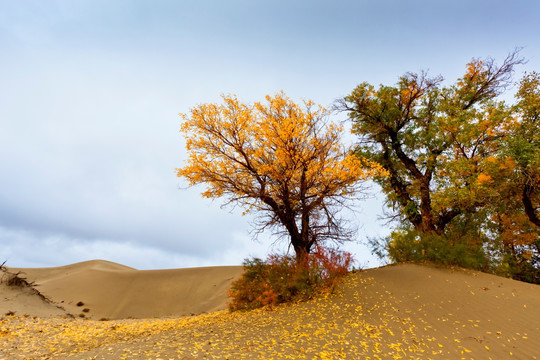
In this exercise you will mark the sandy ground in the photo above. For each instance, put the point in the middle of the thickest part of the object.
(100, 289)
(396, 312)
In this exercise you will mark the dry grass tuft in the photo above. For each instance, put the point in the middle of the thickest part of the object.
(19, 280)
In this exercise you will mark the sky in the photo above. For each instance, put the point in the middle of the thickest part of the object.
(90, 93)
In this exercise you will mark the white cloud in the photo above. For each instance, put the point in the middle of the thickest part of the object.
(91, 91)
(26, 249)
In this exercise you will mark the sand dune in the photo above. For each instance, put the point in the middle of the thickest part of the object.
(396, 312)
(101, 289)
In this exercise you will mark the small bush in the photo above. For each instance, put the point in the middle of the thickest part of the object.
(281, 279)
(404, 246)
(520, 264)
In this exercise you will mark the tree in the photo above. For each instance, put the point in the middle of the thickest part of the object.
(432, 139)
(279, 159)
(462, 165)
(524, 145)
(515, 172)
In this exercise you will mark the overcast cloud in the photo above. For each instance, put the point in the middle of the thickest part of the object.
(90, 93)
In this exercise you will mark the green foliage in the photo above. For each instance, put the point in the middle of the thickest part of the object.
(410, 245)
(462, 245)
(519, 263)
(432, 139)
(281, 278)
(462, 166)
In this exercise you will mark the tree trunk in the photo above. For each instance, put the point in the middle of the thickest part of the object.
(527, 204)
(302, 255)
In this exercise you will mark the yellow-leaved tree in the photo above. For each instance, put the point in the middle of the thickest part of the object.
(281, 160)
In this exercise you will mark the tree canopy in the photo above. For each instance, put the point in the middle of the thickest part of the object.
(462, 165)
(279, 159)
(523, 146)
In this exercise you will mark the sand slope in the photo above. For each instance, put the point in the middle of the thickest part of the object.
(396, 312)
(458, 313)
(20, 301)
(114, 291)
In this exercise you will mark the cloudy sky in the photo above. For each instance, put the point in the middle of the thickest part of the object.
(90, 93)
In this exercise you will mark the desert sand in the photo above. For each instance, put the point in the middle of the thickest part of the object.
(113, 291)
(396, 312)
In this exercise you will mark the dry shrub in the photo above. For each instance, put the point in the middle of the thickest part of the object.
(18, 279)
(281, 279)
(14, 279)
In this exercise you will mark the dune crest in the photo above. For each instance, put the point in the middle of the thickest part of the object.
(100, 265)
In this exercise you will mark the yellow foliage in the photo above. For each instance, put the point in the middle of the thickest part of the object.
(484, 179)
(250, 153)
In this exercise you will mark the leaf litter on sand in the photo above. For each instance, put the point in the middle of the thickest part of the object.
(362, 320)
